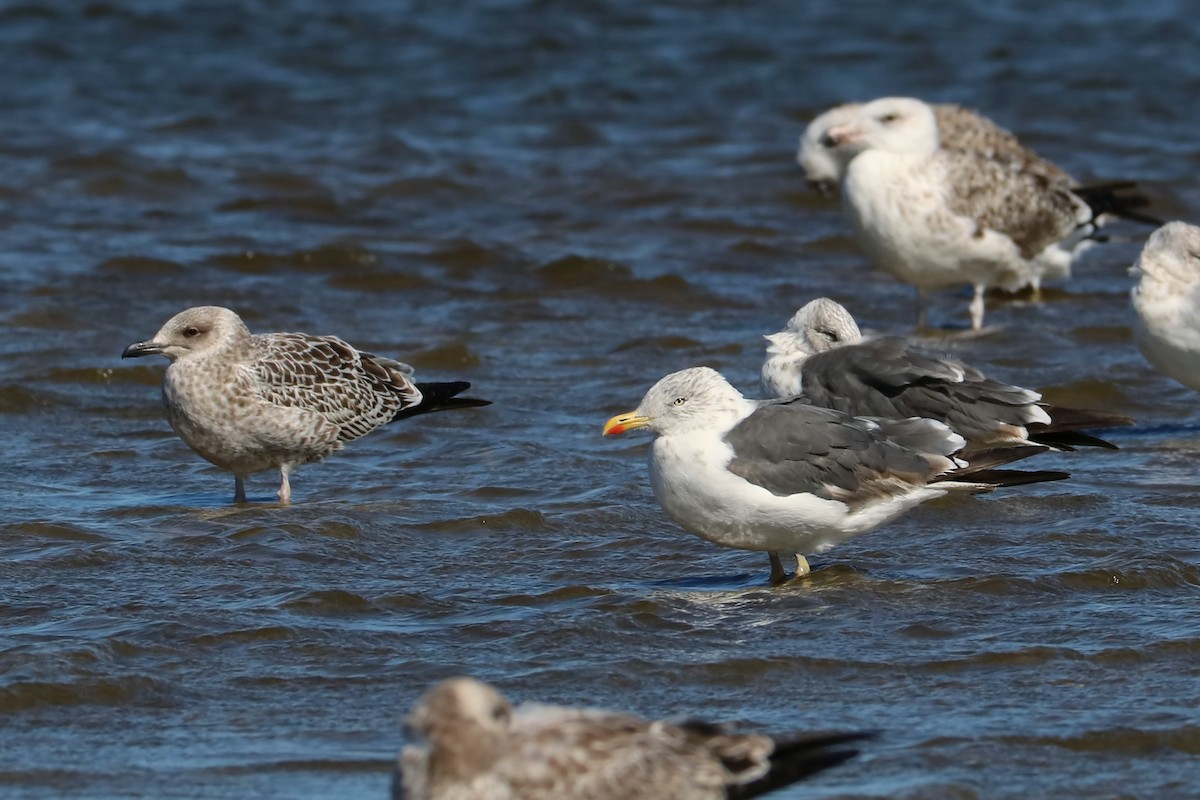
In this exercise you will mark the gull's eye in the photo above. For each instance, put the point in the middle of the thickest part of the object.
(888, 119)
(678, 401)
(191, 332)
(828, 334)
(500, 714)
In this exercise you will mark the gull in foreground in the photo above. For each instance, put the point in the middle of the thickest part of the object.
(250, 402)
(958, 129)
(1166, 302)
(936, 218)
(822, 355)
(479, 747)
(788, 477)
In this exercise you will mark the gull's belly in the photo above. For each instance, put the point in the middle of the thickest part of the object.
(237, 431)
(691, 483)
(1168, 334)
(906, 228)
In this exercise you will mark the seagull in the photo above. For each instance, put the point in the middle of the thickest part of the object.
(477, 746)
(251, 402)
(822, 355)
(936, 218)
(959, 128)
(788, 477)
(1166, 302)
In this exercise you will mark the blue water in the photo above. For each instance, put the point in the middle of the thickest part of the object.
(559, 202)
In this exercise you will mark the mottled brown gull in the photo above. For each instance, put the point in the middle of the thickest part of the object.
(477, 746)
(787, 477)
(936, 218)
(822, 355)
(1166, 302)
(959, 128)
(251, 402)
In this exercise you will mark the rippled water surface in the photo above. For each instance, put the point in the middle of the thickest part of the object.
(559, 202)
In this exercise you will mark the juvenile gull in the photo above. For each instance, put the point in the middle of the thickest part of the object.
(822, 355)
(959, 128)
(936, 218)
(1166, 302)
(479, 747)
(788, 477)
(250, 402)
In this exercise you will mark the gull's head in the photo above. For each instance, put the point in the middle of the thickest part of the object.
(459, 702)
(688, 400)
(902, 125)
(1170, 260)
(823, 324)
(192, 332)
(817, 155)
(465, 720)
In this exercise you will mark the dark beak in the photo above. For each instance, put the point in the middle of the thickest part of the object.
(825, 188)
(139, 349)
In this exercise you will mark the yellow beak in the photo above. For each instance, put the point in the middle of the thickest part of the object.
(624, 422)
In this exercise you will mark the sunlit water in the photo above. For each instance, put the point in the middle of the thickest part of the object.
(559, 202)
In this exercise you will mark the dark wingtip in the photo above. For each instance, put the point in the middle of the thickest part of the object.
(1068, 440)
(1106, 198)
(998, 478)
(799, 757)
(441, 396)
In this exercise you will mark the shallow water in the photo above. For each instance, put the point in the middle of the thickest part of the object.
(559, 203)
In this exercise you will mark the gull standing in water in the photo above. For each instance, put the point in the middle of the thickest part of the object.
(1166, 302)
(477, 746)
(787, 477)
(822, 355)
(936, 218)
(959, 128)
(251, 402)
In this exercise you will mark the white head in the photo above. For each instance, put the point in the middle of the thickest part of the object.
(1170, 260)
(817, 155)
(466, 723)
(901, 125)
(688, 400)
(820, 325)
(193, 332)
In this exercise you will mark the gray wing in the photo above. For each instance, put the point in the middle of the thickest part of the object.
(355, 391)
(788, 448)
(1028, 208)
(885, 377)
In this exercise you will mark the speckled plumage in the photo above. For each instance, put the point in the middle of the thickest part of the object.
(822, 355)
(936, 218)
(959, 129)
(250, 402)
(788, 477)
(478, 747)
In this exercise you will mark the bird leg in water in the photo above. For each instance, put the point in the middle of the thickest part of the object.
(922, 309)
(239, 489)
(285, 488)
(777, 573)
(977, 308)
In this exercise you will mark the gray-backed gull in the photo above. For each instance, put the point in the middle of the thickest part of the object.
(822, 355)
(787, 477)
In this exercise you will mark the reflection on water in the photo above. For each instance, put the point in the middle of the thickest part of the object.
(559, 203)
